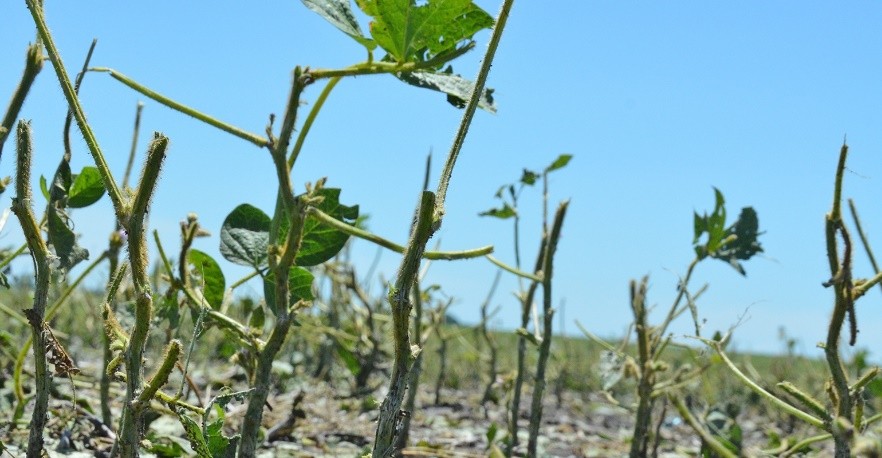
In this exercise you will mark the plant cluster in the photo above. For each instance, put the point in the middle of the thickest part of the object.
(317, 316)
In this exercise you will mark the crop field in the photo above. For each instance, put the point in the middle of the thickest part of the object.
(155, 349)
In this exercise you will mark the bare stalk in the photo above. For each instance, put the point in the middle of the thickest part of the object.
(21, 206)
(548, 320)
(281, 260)
(390, 410)
(840, 272)
(493, 348)
(526, 299)
(33, 65)
(135, 225)
(643, 417)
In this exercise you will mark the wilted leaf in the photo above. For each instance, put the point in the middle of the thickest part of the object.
(212, 278)
(612, 367)
(339, 13)
(245, 236)
(87, 188)
(457, 88)
(64, 241)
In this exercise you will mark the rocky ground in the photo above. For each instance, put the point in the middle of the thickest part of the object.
(317, 421)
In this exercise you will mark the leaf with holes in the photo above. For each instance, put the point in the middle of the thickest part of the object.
(339, 13)
(457, 88)
(410, 32)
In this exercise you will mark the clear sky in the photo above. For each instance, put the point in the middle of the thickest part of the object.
(658, 102)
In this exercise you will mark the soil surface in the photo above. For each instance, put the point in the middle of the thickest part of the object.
(317, 421)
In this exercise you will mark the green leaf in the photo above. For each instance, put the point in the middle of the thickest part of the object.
(559, 163)
(43, 188)
(245, 236)
(491, 433)
(87, 188)
(257, 319)
(299, 287)
(215, 439)
(64, 241)
(713, 225)
(505, 212)
(212, 278)
(411, 32)
(736, 243)
(741, 240)
(194, 435)
(321, 242)
(349, 360)
(529, 177)
(339, 13)
(457, 88)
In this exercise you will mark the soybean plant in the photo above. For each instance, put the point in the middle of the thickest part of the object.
(841, 417)
(541, 275)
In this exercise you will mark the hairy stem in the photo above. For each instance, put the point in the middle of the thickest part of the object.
(135, 225)
(33, 65)
(21, 206)
(113, 191)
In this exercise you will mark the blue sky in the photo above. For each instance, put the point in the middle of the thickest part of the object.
(658, 103)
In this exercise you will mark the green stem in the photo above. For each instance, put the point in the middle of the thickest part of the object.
(172, 353)
(388, 244)
(192, 112)
(243, 280)
(33, 65)
(310, 118)
(777, 402)
(718, 448)
(470, 109)
(73, 101)
(513, 270)
(18, 251)
(674, 311)
(373, 67)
